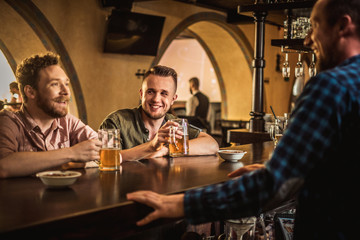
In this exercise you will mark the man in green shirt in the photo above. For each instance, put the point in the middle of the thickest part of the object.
(145, 130)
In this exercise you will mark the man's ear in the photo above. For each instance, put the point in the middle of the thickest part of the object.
(346, 26)
(29, 92)
(174, 99)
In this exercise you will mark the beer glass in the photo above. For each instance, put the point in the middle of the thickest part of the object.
(239, 229)
(276, 132)
(179, 147)
(110, 157)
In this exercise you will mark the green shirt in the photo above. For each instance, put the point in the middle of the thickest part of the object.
(132, 129)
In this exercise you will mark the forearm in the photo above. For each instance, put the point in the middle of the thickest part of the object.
(204, 144)
(138, 152)
(26, 163)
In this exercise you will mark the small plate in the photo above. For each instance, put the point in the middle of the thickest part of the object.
(58, 179)
(231, 155)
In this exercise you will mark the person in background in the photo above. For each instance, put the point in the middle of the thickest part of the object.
(145, 130)
(317, 159)
(16, 96)
(198, 104)
(42, 135)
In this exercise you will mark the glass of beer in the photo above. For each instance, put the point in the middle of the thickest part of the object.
(179, 147)
(110, 156)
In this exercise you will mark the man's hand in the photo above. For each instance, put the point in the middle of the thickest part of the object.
(171, 206)
(163, 136)
(160, 153)
(246, 169)
(86, 151)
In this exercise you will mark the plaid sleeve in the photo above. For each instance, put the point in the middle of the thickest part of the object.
(313, 129)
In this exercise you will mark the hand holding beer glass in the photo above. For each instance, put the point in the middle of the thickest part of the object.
(110, 156)
(179, 138)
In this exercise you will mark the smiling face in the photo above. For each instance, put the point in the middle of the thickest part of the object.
(53, 91)
(324, 38)
(157, 96)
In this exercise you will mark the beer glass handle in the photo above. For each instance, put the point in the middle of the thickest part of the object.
(173, 133)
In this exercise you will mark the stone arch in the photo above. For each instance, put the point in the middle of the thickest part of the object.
(231, 30)
(52, 42)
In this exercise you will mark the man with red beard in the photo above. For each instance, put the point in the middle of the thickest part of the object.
(145, 130)
(43, 135)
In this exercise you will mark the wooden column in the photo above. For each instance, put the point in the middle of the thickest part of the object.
(257, 112)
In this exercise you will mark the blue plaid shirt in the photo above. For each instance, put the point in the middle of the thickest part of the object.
(318, 159)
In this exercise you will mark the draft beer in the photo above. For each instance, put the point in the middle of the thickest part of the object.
(110, 159)
(179, 147)
(110, 156)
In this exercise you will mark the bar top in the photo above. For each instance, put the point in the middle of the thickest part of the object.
(27, 205)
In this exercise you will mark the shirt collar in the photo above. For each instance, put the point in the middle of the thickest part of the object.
(30, 123)
(350, 60)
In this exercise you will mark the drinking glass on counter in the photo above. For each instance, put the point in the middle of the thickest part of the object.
(179, 147)
(110, 156)
(276, 132)
(239, 229)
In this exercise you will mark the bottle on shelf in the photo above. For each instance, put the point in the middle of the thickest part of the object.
(299, 69)
(312, 66)
(286, 120)
(286, 68)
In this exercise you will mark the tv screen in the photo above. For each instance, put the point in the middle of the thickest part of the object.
(133, 33)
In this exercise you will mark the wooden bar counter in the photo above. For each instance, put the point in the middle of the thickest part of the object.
(96, 207)
(244, 136)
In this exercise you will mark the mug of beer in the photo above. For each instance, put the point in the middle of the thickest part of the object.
(110, 156)
(179, 147)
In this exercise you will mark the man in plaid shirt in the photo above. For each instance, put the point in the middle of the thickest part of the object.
(318, 158)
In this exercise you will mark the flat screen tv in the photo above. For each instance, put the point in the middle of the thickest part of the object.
(133, 33)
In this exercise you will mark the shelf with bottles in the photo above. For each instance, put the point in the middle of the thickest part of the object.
(293, 10)
(265, 6)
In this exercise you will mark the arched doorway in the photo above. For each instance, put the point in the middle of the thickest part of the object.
(230, 54)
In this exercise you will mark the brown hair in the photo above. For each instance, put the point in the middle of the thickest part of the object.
(162, 71)
(335, 9)
(28, 70)
(14, 85)
(195, 81)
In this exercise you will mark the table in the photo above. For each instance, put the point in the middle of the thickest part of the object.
(244, 136)
(96, 206)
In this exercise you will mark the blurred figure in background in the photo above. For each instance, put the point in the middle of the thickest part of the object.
(198, 105)
(15, 97)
